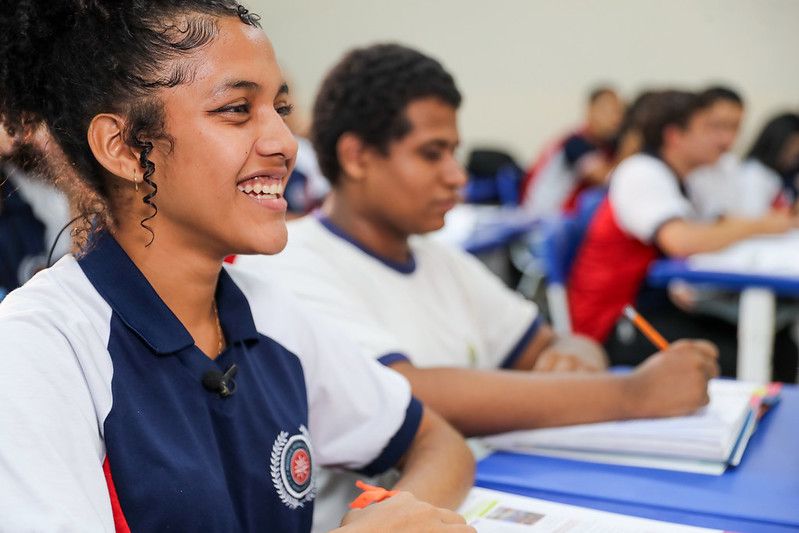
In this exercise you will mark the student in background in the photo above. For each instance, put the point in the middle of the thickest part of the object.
(580, 160)
(307, 186)
(764, 181)
(767, 178)
(711, 188)
(115, 411)
(385, 129)
(630, 139)
(646, 214)
(32, 213)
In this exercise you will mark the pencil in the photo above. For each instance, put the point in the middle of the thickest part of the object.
(645, 327)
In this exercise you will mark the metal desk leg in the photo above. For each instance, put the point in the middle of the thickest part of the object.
(756, 334)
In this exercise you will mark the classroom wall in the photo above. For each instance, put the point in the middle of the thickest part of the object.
(526, 66)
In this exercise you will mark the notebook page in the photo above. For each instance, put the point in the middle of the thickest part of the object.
(491, 511)
(709, 434)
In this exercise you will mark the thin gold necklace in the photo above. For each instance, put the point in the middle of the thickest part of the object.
(221, 344)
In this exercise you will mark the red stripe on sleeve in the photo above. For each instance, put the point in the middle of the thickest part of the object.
(120, 523)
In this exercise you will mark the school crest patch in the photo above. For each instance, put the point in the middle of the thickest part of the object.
(292, 468)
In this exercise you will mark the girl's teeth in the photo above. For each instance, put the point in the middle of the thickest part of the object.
(272, 189)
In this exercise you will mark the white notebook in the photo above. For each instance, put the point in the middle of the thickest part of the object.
(490, 511)
(706, 441)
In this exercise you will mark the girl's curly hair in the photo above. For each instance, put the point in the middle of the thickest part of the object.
(62, 62)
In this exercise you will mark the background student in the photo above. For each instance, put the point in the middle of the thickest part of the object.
(767, 178)
(711, 188)
(385, 130)
(32, 213)
(646, 214)
(116, 413)
(577, 161)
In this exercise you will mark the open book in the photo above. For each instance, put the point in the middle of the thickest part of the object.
(705, 442)
(490, 511)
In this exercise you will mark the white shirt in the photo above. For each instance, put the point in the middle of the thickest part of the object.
(714, 190)
(97, 371)
(443, 309)
(450, 310)
(733, 187)
(645, 194)
(757, 188)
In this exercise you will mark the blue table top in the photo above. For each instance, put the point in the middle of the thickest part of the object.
(761, 494)
(663, 271)
(498, 228)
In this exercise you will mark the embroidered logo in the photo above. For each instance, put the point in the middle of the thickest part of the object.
(292, 468)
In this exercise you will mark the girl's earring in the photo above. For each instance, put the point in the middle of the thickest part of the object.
(135, 182)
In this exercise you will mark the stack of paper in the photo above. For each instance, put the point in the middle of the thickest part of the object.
(706, 442)
(490, 511)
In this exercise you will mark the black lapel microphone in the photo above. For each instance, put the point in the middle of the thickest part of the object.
(222, 384)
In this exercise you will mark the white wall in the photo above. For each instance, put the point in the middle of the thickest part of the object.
(524, 66)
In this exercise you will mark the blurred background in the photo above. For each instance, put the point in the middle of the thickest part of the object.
(525, 67)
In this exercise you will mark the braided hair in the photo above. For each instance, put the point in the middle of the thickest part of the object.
(62, 62)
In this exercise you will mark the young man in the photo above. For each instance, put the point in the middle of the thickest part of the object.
(577, 161)
(713, 189)
(385, 132)
(646, 214)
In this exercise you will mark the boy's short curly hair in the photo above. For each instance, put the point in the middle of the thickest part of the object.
(367, 93)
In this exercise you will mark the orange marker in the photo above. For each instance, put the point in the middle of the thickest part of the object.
(645, 327)
(371, 494)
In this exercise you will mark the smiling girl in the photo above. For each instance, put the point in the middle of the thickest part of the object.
(142, 392)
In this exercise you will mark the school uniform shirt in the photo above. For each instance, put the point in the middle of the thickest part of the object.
(441, 308)
(612, 262)
(760, 189)
(106, 423)
(714, 189)
(307, 187)
(553, 182)
(737, 188)
(22, 244)
(32, 214)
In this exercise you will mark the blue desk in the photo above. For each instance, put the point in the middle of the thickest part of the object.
(663, 271)
(760, 495)
(479, 229)
(498, 229)
(756, 312)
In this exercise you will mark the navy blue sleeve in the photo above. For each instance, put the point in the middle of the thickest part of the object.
(391, 358)
(576, 147)
(399, 443)
(525, 339)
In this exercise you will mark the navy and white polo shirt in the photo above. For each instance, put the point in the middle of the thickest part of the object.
(105, 421)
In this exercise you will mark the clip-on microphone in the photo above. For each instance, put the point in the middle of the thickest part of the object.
(222, 384)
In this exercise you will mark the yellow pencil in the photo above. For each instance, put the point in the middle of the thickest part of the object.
(645, 327)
